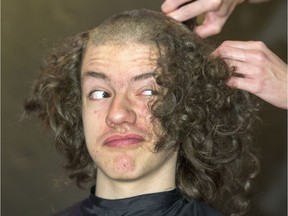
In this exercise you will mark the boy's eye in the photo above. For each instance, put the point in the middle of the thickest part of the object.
(149, 92)
(98, 94)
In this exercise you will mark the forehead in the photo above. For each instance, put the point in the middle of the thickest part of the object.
(119, 54)
(114, 48)
(118, 64)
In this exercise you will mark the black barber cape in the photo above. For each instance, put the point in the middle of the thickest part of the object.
(168, 203)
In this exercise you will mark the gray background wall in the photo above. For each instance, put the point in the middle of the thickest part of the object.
(33, 182)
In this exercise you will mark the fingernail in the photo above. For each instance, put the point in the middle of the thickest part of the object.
(172, 15)
(164, 7)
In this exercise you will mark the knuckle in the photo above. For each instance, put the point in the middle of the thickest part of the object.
(214, 30)
(214, 4)
(217, 29)
(261, 57)
(170, 5)
(226, 43)
(260, 44)
(173, 4)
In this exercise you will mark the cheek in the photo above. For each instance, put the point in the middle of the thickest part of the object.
(143, 111)
(93, 127)
(93, 151)
(93, 116)
(144, 121)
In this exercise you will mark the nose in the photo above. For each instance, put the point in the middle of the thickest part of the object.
(120, 111)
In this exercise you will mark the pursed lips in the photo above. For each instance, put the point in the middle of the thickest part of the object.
(123, 141)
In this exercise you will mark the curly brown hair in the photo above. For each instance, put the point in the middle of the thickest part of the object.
(206, 120)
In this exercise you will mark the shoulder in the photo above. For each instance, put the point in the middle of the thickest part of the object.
(78, 208)
(74, 210)
(198, 208)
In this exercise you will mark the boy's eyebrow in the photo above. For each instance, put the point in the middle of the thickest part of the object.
(103, 76)
(97, 75)
(144, 76)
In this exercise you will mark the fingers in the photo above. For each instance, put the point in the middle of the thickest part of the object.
(191, 10)
(243, 44)
(264, 73)
(171, 5)
(253, 77)
(269, 90)
(207, 30)
(245, 52)
(243, 68)
(217, 12)
(246, 62)
(247, 45)
(250, 63)
(212, 25)
(246, 84)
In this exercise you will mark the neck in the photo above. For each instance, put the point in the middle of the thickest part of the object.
(110, 188)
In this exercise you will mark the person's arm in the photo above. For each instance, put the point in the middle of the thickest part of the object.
(264, 73)
(217, 12)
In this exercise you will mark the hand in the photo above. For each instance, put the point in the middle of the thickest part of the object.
(264, 73)
(217, 13)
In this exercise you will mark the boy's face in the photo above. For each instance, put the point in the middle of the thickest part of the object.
(117, 84)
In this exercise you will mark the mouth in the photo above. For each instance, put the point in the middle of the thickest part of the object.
(123, 141)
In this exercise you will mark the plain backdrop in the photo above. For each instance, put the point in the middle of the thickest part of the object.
(33, 182)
